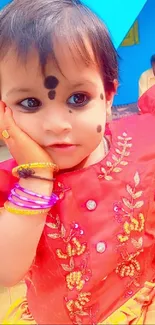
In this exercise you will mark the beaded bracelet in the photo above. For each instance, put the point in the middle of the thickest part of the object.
(18, 169)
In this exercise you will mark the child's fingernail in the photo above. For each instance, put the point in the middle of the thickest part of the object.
(7, 109)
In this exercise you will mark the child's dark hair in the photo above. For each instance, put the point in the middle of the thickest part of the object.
(40, 23)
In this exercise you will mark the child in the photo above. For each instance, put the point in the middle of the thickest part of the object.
(77, 218)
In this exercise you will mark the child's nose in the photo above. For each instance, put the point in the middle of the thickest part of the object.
(56, 122)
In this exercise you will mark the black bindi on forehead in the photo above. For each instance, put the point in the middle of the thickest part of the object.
(99, 128)
(51, 82)
(51, 94)
(101, 96)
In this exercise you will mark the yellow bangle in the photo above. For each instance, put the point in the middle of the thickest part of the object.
(28, 212)
(34, 165)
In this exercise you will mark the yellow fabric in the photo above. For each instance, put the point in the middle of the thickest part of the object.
(132, 37)
(139, 310)
(19, 314)
(146, 81)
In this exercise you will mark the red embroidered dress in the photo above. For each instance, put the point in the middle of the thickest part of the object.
(98, 245)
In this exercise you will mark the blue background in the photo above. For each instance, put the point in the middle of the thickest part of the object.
(118, 15)
(3, 3)
(136, 58)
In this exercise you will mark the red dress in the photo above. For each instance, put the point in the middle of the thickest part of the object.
(98, 245)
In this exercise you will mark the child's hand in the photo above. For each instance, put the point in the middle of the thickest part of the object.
(21, 146)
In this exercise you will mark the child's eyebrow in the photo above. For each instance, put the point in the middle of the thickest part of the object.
(72, 84)
(82, 83)
(18, 90)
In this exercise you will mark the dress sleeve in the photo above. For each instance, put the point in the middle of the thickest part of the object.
(7, 181)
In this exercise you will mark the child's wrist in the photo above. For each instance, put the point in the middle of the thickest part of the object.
(37, 185)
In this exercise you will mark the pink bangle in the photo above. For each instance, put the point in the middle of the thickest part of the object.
(48, 201)
(26, 199)
(31, 207)
(22, 189)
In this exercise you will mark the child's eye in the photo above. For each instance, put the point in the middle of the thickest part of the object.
(31, 104)
(78, 100)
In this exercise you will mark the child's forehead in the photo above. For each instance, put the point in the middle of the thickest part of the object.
(70, 69)
(70, 63)
(67, 63)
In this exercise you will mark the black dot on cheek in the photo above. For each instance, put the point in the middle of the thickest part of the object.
(70, 111)
(101, 96)
(51, 82)
(52, 94)
(99, 129)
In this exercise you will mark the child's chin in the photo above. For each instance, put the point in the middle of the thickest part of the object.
(71, 164)
(68, 166)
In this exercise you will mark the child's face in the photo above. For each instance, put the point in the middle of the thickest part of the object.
(63, 111)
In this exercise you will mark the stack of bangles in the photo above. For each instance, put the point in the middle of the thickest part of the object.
(19, 203)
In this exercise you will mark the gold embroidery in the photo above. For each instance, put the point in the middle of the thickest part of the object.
(73, 248)
(62, 190)
(76, 306)
(61, 231)
(129, 266)
(137, 243)
(134, 224)
(119, 159)
(76, 276)
(74, 280)
(132, 228)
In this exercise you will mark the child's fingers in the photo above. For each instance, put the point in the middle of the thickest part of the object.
(10, 128)
(14, 131)
(2, 119)
(2, 112)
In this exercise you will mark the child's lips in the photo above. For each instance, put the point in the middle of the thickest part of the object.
(63, 147)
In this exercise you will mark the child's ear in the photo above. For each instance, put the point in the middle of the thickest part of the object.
(109, 113)
(116, 84)
(109, 99)
(111, 93)
(109, 102)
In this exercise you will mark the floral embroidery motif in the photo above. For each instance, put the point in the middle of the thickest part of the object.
(129, 266)
(133, 226)
(119, 159)
(22, 312)
(76, 275)
(130, 227)
(61, 190)
(82, 300)
(27, 316)
(73, 248)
